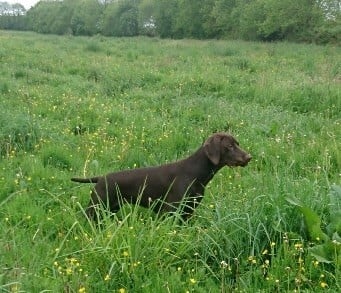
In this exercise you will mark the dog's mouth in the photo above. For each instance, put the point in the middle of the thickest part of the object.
(235, 165)
(240, 163)
(244, 164)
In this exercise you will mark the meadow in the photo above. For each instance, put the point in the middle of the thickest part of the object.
(81, 106)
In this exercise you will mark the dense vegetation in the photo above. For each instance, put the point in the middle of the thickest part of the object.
(316, 21)
(83, 106)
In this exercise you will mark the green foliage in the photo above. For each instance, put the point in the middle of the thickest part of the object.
(334, 225)
(19, 132)
(190, 20)
(311, 219)
(89, 105)
(264, 20)
(48, 17)
(146, 20)
(12, 16)
(121, 19)
(165, 12)
(330, 250)
(86, 17)
(221, 20)
(291, 20)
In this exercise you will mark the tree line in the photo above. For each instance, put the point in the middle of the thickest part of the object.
(316, 21)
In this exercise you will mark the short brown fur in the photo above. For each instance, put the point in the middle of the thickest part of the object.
(167, 185)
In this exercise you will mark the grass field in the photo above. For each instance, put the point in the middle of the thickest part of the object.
(83, 106)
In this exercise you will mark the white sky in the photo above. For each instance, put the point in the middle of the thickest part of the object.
(26, 3)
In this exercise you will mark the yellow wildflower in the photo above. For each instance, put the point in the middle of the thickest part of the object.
(324, 284)
(68, 271)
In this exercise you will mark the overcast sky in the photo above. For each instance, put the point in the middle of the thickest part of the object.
(26, 3)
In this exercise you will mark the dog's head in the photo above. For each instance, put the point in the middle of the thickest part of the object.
(223, 149)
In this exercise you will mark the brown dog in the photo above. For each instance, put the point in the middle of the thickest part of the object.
(164, 187)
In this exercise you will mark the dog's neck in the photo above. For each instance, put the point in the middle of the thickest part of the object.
(201, 166)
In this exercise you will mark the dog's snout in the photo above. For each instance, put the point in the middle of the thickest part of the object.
(248, 158)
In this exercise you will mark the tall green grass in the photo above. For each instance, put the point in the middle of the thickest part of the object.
(84, 106)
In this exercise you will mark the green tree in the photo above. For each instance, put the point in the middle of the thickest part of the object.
(42, 16)
(146, 18)
(221, 21)
(12, 16)
(330, 29)
(265, 20)
(189, 19)
(247, 16)
(121, 19)
(290, 19)
(62, 17)
(86, 16)
(165, 17)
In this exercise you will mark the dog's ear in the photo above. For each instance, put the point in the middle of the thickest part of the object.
(212, 148)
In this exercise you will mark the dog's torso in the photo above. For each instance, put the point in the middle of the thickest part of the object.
(164, 187)
(169, 183)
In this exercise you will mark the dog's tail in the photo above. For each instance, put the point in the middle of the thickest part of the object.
(85, 180)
